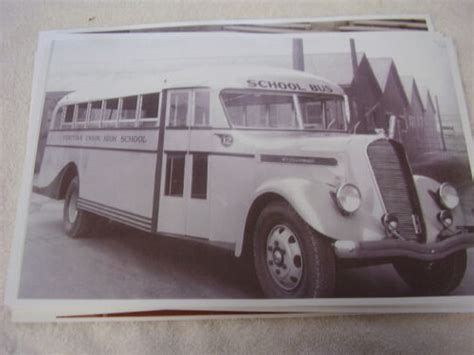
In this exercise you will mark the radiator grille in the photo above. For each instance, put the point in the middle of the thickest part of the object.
(396, 184)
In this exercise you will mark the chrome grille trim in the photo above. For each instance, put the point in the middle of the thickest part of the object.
(395, 185)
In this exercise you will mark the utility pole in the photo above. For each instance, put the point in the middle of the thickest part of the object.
(440, 123)
(357, 116)
(298, 54)
(354, 62)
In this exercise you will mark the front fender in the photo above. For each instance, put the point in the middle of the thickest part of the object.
(312, 200)
(425, 188)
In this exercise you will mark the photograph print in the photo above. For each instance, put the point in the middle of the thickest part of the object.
(249, 166)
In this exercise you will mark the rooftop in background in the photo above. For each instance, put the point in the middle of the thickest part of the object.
(336, 67)
(425, 95)
(409, 84)
(381, 68)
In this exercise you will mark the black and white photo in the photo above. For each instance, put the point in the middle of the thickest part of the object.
(243, 166)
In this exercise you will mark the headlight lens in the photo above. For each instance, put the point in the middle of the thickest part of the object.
(348, 198)
(448, 196)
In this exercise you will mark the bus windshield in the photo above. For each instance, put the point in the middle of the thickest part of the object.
(276, 110)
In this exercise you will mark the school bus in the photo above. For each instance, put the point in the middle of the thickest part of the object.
(259, 161)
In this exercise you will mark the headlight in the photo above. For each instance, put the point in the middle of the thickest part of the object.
(348, 198)
(448, 196)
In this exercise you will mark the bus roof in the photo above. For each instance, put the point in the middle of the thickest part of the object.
(221, 77)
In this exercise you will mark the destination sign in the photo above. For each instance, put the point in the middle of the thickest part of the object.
(289, 86)
(122, 139)
(104, 138)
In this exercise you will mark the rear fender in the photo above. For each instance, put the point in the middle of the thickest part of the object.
(57, 188)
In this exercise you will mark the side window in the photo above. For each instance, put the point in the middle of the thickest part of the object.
(312, 112)
(335, 114)
(110, 110)
(96, 112)
(201, 108)
(129, 108)
(178, 109)
(238, 115)
(81, 112)
(256, 116)
(68, 118)
(149, 108)
(199, 180)
(174, 182)
(254, 109)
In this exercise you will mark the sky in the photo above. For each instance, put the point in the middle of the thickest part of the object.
(81, 60)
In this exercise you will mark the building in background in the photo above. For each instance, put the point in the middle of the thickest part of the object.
(414, 120)
(393, 100)
(352, 71)
(432, 135)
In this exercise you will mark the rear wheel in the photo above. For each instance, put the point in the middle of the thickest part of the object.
(77, 223)
(434, 278)
(291, 259)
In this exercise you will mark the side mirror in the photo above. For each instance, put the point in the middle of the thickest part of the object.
(347, 110)
(354, 129)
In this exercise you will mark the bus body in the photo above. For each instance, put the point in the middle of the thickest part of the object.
(250, 158)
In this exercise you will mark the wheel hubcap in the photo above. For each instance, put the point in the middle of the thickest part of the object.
(72, 208)
(284, 257)
(277, 257)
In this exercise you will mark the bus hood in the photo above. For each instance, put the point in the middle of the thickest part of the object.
(306, 144)
(335, 158)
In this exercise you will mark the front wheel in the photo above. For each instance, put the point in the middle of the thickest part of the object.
(77, 223)
(291, 259)
(434, 278)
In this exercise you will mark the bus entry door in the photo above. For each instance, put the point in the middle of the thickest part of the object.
(184, 206)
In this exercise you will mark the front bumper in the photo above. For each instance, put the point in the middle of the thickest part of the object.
(389, 248)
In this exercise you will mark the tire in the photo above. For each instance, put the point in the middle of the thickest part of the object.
(77, 223)
(433, 278)
(305, 260)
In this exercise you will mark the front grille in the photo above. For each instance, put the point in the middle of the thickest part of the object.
(396, 184)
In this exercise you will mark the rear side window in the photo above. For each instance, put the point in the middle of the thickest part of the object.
(81, 112)
(69, 114)
(149, 107)
(111, 110)
(96, 111)
(129, 108)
